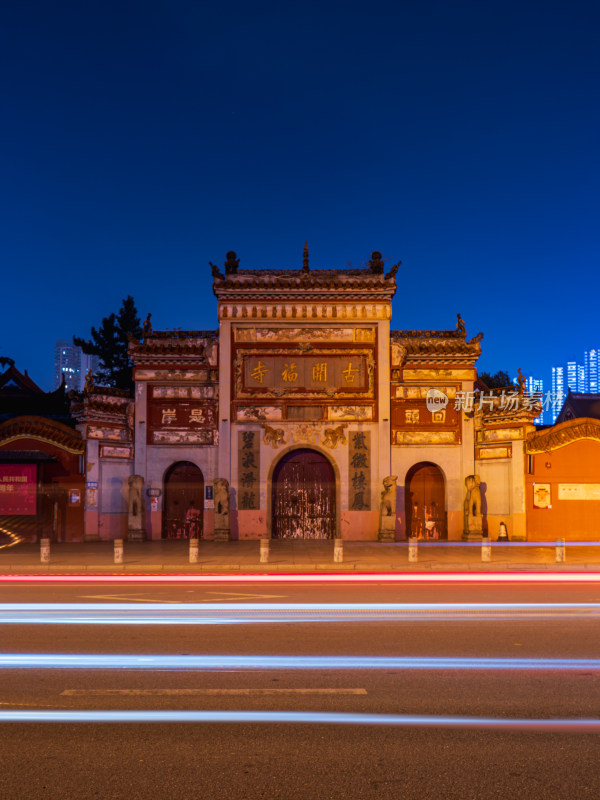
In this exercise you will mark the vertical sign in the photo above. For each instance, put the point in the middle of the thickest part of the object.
(248, 470)
(18, 489)
(359, 470)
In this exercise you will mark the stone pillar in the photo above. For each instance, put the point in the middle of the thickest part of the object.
(92, 492)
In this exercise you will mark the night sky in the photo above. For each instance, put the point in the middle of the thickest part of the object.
(141, 140)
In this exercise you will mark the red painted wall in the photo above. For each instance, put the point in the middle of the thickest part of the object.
(577, 462)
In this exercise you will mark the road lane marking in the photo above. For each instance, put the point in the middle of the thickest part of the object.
(132, 598)
(242, 594)
(206, 692)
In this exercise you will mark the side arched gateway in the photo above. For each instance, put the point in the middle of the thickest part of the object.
(425, 497)
(183, 508)
(303, 497)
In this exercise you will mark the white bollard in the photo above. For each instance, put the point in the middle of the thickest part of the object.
(338, 551)
(45, 551)
(412, 550)
(486, 549)
(264, 551)
(193, 551)
(560, 551)
(118, 551)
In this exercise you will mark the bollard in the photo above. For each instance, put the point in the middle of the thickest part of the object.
(264, 551)
(486, 549)
(118, 551)
(560, 551)
(338, 551)
(45, 551)
(412, 550)
(193, 551)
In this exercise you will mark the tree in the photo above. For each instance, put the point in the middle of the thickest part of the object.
(500, 379)
(110, 343)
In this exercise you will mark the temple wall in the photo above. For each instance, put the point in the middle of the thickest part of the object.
(568, 477)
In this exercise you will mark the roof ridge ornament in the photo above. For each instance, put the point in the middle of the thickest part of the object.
(232, 263)
(376, 263)
(305, 267)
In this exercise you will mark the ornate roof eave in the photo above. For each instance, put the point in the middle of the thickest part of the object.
(42, 430)
(563, 434)
(295, 285)
(437, 347)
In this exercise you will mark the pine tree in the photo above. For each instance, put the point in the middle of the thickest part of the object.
(110, 343)
(498, 380)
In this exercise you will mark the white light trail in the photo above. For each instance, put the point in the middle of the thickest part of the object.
(584, 725)
(242, 613)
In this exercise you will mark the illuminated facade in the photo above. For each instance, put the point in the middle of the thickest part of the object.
(305, 415)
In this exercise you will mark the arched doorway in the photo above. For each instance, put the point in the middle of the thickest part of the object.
(183, 509)
(303, 497)
(425, 494)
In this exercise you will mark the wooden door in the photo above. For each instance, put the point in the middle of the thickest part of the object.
(303, 497)
(426, 502)
(183, 508)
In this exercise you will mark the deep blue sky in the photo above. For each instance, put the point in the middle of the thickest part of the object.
(141, 140)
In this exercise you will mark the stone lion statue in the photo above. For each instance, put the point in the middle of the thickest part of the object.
(387, 507)
(472, 503)
(221, 497)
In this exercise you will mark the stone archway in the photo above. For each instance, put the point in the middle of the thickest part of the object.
(425, 502)
(303, 496)
(183, 507)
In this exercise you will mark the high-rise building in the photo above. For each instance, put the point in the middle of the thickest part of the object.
(591, 371)
(558, 392)
(535, 386)
(572, 375)
(73, 364)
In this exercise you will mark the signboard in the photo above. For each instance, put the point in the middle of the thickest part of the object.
(209, 498)
(579, 491)
(18, 489)
(321, 373)
(542, 496)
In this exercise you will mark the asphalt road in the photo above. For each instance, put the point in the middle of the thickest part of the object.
(275, 759)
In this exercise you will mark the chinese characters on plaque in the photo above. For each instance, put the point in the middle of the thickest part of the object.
(314, 373)
(359, 471)
(248, 470)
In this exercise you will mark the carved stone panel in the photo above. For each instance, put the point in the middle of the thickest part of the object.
(248, 470)
(359, 470)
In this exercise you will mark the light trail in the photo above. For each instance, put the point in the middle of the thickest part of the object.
(321, 577)
(583, 725)
(245, 613)
(219, 663)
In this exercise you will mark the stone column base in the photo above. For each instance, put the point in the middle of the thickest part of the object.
(136, 536)
(221, 535)
(387, 535)
(472, 536)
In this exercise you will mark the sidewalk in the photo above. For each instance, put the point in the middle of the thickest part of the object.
(293, 556)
